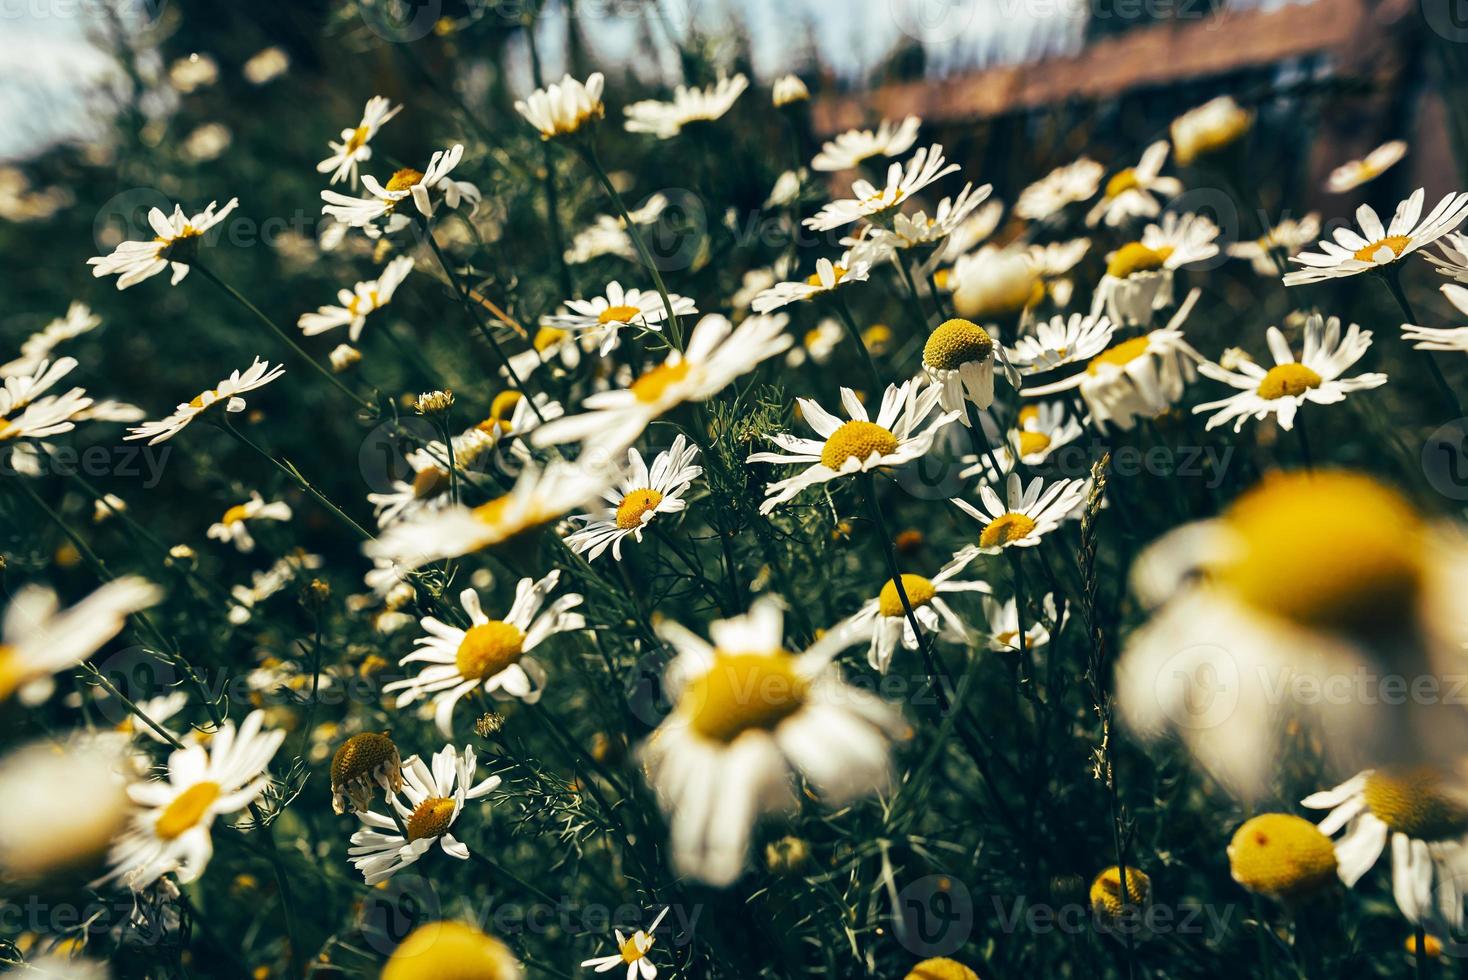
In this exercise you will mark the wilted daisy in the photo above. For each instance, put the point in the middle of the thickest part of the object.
(958, 357)
(1282, 856)
(1059, 341)
(37, 348)
(690, 105)
(637, 499)
(563, 107)
(1003, 620)
(1422, 815)
(1282, 390)
(601, 318)
(1377, 247)
(170, 834)
(257, 375)
(232, 526)
(355, 147)
(877, 203)
(849, 149)
(1139, 275)
(749, 717)
(1070, 184)
(903, 431)
(1283, 240)
(827, 277)
(885, 617)
(492, 654)
(38, 639)
(363, 764)
(1134, 192)
(1209, 128)
(1025, 514)
(364, 298)
(175, 244)
(1448, 338)
(434, 799)
(788, 90)
(1357, 172)
(717, 353)
(632, 950)
(995, 281)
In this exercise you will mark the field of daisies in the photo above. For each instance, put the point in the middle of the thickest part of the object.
(459, 530)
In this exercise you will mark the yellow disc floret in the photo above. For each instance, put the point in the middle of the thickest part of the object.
(1397, 243)
(1282, 856)
(431, 818)
(636, 504)
(618, 314)
(1122, 181)
(488, 649)
(955, 343)
(1006, 528)
(186, 810)
(941, 968)
(1415, 803)
(651, 387)
(1135, 257)
(1288, 379)
(1106, 899)
(741, 692)
(450, 951)
(857, 440)
(1032, 442)
(920, 592)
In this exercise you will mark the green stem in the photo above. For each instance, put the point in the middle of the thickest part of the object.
(298, 479)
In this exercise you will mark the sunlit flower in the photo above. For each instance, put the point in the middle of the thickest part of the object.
(1041, 429)
(175, 245)
(788, 90)
(355, 146)
(1283, 240)
(27, 412)
(690, 105)
(827, 277)
(1134, 192)
(1282, 856)
(1357, 172)
(885, 617)
(602, 318)
(439, 949)
(37, 348)
(1025, 514)
(995, 281)
(851, 148)
(637, 499)
(257, 375)
(366, 297)
(1209, 128)
(918, 230)
(563, 107)
(1139, 275)
(1070, 184)
(877, 203)
(1446, 338)
(1060, 341)
(406, 182)
(958, 357)
(1377, 247)
(232, 526)
(632, 950)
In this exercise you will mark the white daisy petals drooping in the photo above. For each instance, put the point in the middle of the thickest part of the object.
(1139, 275)
(851, 148)
(638, 499)
(563, 107)
(1445, 338)
(257, 375)
(364, 298)
(869, 201)
(690, 105)
(175, 244)
(1378, 246)
(355, 147)
(1354, 173)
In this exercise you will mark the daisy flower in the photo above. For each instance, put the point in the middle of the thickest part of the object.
(364, 298)
(434, 799)
(1449, 338)
(690, 105)
(849, 149)
(717, 353)
(1003, 620)
(748, 718)
(405, 182)
(1420, 814)
(827, 277)
(1054, 260)
(170, 834)
(1357, 172)
(1378, 247)
(37, 348)
(903, 181)
(159, 709)
(1060, 341)
(26, 412)
(818, 344)
(175, 245)
(257, 375)
(563, 107)
(1133, 192)
(1139, 275)
(788, 90)
(354, 147)
(428, 489)
(996, 281)
(231, 527)
(885, 618)
(1026, 515)
(38, 639)
(603, 317)
(1283, 389)
(1453, 262)
(902, 432)
(66, 801)
(492, 654)
(918, 230)
(1209, 128)
(445, 949)
(638, 498)
(1283, 857)
(1287, 237)
(969, 234)
(1041, 430)
(632, 950)
(958, 357)
(1070, 184)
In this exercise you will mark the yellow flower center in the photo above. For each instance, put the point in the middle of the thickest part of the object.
(1414, 803)
(1329, 550)
(619, 314)
(814, 279)
(633, 506)
(941, 968)
(431, 818)
(547, 337)
(1030, 413)
(430, 482)
(741, 692)
(489, 648)
(450, 951)
(1119, 355)
(955, 343)
(1032, 442)
(358, 139)
(403, 179)
(1006, 637)
(877, 337)
(235, 514)
(186, 810)
(630, 952)
(13, 672)
(1106, 899)
(1136, 257)
(360, 756)
(1394, 242)
(651, 387)
(1121, 182)
(198, 400)
(1288, 379)
(501, 411)
(1282, 856)
(920, 592)
(354, 305)
(1006, 528)
(857, 440)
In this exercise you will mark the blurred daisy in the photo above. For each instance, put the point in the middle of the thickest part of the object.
(1357, 172)
(158, 710)
(1139, 275)
(506, 430)
(1378, 247)
(886, 618)
(366, 297)
(818, 344)
(637, 499)
(926, 166)
(38, 639)
(717, 353)
(748, 718)
(1060, 341)
(563, 107)
(1003, 620)
(492, 654)
(995, 281)
(632, 950)
(1070, 184)
(257, 375)
(969, 234)
(690, 105)
(445, 949)
(1209, 128)
(1427, 825)
(170, 834)
(1284, 239)
(903, 431)
(232, 526)
(602, 317)
(37, 348)
(1133, 192)
(1448, 338)
(1283, 389)
(428, 489)
(1053, 261)
(788, 90)
(1025, 515)
(355, 147)
(827, 277)
(854, 146)
(434, 799)
(958, 357)
(175, 244)
(65, 802)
